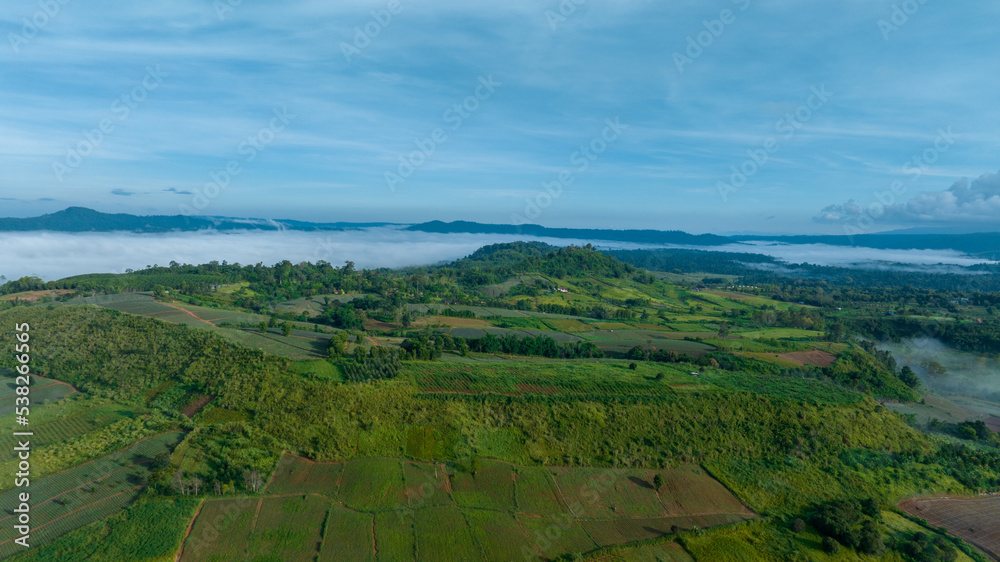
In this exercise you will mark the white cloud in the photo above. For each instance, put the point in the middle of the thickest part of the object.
(55, 255)
(963, 202)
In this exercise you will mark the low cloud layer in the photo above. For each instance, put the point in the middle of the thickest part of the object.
(977, 201)
(851, 256)
(54, 255)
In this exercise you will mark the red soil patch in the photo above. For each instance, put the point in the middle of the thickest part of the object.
(977, 520)
(451, 321)
(814, 357)
(197, 404)
(188, 312)
(32, 296)
(993, 423)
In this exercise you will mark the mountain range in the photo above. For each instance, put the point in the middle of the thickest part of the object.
(81, 219)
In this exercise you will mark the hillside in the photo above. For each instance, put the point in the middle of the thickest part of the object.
(566, 396)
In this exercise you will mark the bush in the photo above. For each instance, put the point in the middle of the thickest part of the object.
(798, 526)
(830, 546)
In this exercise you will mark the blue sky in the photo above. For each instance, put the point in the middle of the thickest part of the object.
(312, 130)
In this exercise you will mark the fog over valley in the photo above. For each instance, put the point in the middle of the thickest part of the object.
(55, 255)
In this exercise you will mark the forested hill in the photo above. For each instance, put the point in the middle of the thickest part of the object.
(497, 262)
(81, 219)
(636, 236)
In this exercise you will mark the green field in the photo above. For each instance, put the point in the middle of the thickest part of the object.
(491, 487)
(66, 428)
(373, 484)
(288, 528)
(42, 391)
(350, 535)
(66, 501)
(501, 512)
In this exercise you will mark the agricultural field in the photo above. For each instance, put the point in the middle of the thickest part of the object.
(537, 493)
(469, 455)
(296, 348)
(297, 475)
(64, 428)
(659, 551)
(43, 390)
(466, 332)
(71, 499)
(491, 487)
(289, 528)
(372, 484)
(456, 542)
(220, 531)
(125, 535)
(605, 378)
(621, 340)
(502, 511)
(427, 485)
(977, 520)
(350, 535)
(499, 534)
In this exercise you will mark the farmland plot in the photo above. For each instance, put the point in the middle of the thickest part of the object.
(90, 492)
(394, 538)
(221, 531)
(492, 487)
(296, 475)
(373, 484)
(976, 520)
(350, 535)
(537, 494)
(458, 543)
(289, 528)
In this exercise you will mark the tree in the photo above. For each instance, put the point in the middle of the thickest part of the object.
(798, 526)
(657, 482)
(724, 330)
(252, 480)
(218, 488)
(286, 329)
(934, 368)
(908, 377)
(160, 461)
(830, 545)
(338, 344)
(263, 326)
(195, 484)
(178, 482)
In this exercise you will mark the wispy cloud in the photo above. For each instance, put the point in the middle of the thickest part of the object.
(605, 59)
